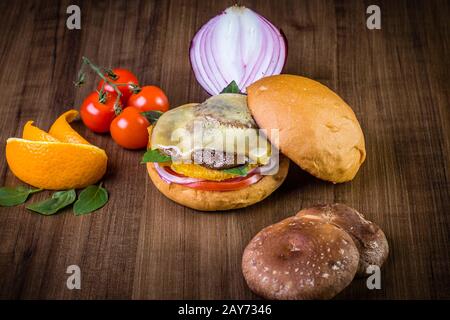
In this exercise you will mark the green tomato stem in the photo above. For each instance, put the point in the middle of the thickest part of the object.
(97, 70)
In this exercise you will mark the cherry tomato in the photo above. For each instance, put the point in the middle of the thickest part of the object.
(123, 76)
(97, 115)
(129, 129)
(149, 98)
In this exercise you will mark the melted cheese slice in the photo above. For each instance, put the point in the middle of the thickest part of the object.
(222, 123)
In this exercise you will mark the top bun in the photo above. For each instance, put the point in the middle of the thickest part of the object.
(317, 129)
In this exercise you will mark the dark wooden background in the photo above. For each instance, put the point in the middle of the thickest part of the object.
(141, 245)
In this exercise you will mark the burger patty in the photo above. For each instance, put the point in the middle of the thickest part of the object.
(212, 159)
(218, 160)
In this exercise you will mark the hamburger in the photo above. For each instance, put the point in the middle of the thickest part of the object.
(224, 153)
(211, 156)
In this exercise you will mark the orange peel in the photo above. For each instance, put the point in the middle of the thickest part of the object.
(30, 132)
(62, 130)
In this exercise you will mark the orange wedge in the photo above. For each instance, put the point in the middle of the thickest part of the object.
(55, 165)
(62, 130)
(58, 160)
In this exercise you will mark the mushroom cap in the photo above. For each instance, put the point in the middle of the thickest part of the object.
(300, 258)
(369, 238)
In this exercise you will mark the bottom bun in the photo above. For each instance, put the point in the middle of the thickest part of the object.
(220, 200)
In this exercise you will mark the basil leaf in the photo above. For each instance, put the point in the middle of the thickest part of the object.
(155, 156)
(58, 201)
(152, 116)
(10, 196)
(90, 199)
(232, 88)
(240, 171)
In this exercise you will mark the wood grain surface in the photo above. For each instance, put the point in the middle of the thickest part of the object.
(143, 246)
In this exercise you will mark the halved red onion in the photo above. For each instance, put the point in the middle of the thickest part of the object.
(171, 178)
(238, 45)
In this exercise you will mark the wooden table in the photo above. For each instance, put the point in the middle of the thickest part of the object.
(142, 245)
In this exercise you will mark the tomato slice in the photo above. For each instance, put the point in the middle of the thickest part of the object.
(226, 185)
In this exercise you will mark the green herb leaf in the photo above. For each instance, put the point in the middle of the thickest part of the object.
(10, 196)
(58, 201)
(232, 88)
(241, 171)
(152, 116)
(90, 199)
(155, 156)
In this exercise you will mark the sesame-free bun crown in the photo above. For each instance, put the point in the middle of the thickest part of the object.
(317, 129)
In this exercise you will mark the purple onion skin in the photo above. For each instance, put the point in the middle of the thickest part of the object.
(210, 80)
